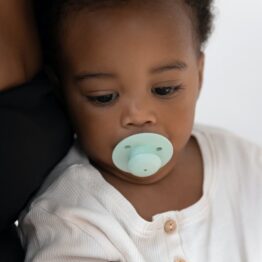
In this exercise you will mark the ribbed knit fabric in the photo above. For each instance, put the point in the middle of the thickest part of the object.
(78, 216)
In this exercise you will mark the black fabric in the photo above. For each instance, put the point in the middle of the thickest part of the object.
(34, 135)
(10, 247)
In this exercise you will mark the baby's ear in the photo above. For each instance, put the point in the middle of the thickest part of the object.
(201, 67)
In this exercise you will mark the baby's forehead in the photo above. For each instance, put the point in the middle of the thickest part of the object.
(127, 18)
(56, 16)
(114, 38)
(128, 15)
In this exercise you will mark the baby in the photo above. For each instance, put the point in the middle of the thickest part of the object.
(142, 182)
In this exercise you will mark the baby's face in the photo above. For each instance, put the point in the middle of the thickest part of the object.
(129, 71)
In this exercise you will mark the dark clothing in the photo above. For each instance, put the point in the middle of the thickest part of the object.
(10, 246)
(34, 135)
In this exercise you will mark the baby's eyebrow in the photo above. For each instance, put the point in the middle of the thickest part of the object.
(89, 75)
(175, 65)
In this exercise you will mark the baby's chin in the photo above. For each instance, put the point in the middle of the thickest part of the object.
(112, 173)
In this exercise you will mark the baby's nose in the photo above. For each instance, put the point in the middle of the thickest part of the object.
(138, 114)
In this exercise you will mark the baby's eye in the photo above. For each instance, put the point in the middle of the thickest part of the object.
(165, 90)
(103, 99)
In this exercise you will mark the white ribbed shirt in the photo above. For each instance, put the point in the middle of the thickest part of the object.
(78, 216)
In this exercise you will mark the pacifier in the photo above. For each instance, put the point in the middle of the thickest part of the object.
(143, 154)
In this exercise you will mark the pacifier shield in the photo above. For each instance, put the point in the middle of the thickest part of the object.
(142, 154)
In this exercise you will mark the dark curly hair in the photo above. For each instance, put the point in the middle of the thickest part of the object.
(50, 13)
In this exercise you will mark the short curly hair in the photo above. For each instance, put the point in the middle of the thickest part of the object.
(50, 14)
(203, 10)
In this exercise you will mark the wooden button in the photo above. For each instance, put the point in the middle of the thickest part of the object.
(170, 226)
(180, 260)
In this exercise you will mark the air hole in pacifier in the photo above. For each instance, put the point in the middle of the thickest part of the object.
(145, 170)
(127, 147)
(159, 148)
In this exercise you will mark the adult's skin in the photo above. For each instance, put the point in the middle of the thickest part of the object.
(34, 131)
(20, 56)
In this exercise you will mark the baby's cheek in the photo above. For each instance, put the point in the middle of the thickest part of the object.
(97, 147)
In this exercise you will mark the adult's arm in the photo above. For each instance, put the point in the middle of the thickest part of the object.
(20, 56)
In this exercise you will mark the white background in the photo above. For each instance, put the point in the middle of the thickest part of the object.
(231, 96)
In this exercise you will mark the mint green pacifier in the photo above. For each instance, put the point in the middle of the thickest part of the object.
(143, 154)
